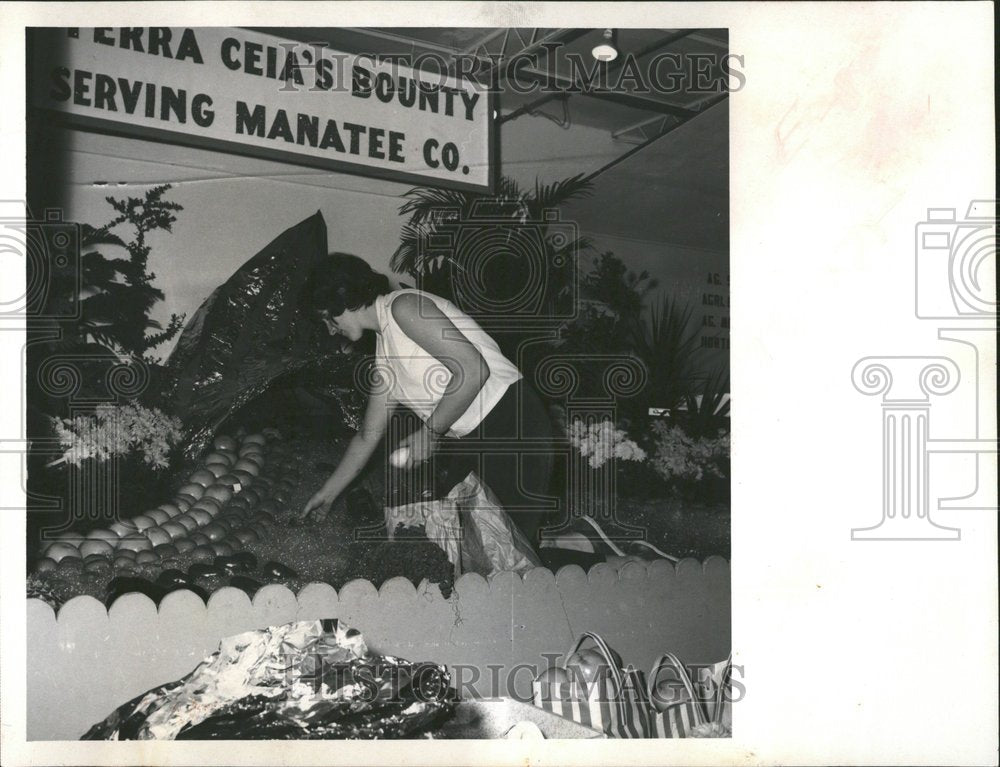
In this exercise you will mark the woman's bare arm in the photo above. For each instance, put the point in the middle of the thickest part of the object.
(359, 450)
(428, 327)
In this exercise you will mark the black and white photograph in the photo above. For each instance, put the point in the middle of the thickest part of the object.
(423, 383)
(361, 347)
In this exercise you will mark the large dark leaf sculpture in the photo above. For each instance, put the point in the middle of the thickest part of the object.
(250, 334)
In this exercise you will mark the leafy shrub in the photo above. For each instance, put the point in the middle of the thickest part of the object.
(680, 456)
(602, 441)
(116, 431)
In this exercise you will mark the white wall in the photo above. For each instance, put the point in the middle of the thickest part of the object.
(686, 275)
(233, 206)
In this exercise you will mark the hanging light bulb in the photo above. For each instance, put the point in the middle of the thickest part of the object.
(607, 49)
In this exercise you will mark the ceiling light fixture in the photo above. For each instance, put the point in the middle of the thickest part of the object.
(607, 49)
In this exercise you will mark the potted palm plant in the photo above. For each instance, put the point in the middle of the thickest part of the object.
(506, 254)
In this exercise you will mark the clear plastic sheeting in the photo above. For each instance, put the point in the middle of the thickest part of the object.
(471, 527)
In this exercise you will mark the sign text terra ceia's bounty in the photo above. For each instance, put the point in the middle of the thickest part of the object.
(284, 64)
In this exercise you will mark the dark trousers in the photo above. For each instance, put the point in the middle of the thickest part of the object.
(511, 451)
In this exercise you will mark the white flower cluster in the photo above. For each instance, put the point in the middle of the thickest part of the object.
(601, 441)
(679, 456)
(118, 430)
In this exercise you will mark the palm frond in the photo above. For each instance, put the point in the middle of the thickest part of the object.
(551, 196)
(415, 249)
(425, 203)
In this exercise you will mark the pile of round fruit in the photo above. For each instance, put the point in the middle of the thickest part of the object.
(225, 504)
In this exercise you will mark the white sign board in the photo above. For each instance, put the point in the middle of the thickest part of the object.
(245, 92)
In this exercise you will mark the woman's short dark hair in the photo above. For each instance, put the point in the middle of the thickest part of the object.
(342, 281)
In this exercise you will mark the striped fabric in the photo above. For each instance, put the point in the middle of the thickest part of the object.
(676, 722)
(619, 703)
(715, 688)
(598, 706)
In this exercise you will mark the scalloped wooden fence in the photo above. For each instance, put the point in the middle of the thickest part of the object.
(495, 635)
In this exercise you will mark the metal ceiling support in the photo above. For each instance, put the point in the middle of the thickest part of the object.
(392, 37)
(556, 37)
(641, 126)
(535, 42)
(531, 107)
(485, 40)
(635, 150)
(497, 71)
(566, 85)
(512, 44)
(661, 120)
(710, 40)
(663, 42)
(635, 126)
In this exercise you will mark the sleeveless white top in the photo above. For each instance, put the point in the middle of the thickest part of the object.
(418, 380)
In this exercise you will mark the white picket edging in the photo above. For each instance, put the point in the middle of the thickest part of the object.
(87, 660)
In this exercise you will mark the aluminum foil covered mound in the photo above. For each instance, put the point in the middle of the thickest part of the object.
(301, 680)
(250, 336)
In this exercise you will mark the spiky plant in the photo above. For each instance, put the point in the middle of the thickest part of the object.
(668, 347)
(707, 405)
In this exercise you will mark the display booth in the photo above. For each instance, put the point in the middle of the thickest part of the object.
(249, 153)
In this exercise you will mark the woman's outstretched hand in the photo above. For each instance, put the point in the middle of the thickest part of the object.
(319, 505)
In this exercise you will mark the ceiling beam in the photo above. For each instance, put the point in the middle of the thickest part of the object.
(702, 38)
(531, 107)
(566, 85)
(663, 132)
(643, 124)
(392, 37)
(558, 37)
(656, 45)
(494, 63)
(484, 41)
(566, 89)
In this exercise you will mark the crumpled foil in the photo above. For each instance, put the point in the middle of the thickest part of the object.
(250, 334)
(302, 680)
